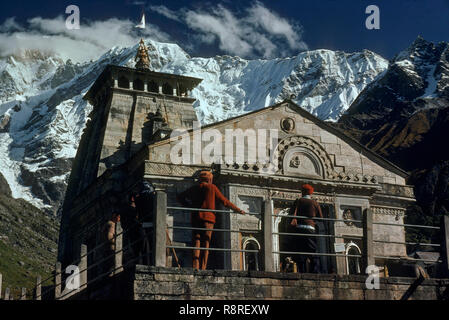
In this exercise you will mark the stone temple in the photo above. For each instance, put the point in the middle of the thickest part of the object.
(127, 139)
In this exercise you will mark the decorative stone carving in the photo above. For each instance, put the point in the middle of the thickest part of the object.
(398, 212)
(165, 169)
(305, 150)
(301, 161)
(287, 124)
(347, 215)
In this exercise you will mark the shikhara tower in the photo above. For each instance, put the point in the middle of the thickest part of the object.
(131, 108)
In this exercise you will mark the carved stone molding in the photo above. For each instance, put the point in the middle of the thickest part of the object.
(165, 169)
(398, 212)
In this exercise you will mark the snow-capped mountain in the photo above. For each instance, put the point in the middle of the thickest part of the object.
(404, 113)
(417, 79)
(42, 113)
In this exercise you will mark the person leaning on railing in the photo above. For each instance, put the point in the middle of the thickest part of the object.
(203, 196)
(307, 207)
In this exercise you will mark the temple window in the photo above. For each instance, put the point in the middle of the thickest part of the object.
(167, 89)
(123, 82)
(138, 85)
(153, 87)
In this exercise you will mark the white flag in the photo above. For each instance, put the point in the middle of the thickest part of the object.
(141, 25)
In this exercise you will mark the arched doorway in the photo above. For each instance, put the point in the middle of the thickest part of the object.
(352, 263)
(251, 259)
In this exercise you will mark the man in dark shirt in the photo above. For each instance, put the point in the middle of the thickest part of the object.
(307, 207)
(203, 196)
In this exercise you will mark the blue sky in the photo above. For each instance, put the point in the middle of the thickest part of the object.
(251, 29)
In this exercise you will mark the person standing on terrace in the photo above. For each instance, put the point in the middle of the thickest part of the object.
(203, 196)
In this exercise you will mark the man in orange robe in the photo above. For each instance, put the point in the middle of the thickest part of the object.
(203, 196)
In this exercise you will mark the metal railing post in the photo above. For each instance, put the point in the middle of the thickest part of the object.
(268, 235)
(38, 293)
(23, 294)
(445, 244)
(83, 267)
(118, 257)
(58, 280)
(368, 248)
(159, 237)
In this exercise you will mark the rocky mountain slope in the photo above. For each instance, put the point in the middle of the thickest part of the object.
(42, 113)
(28, 242)
(405, 103)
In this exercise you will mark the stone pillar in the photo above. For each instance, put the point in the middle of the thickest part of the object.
(174, 91)
(368, 248)
(159, 237)
(23, 295)
(268, 236)
(83, 266)
(58, 280)
(115, 79)
(145, 86)
(38, 293)
(445, 244)
(7, 294)
(160, 89)
(118, 259)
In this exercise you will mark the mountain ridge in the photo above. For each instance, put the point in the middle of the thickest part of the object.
(42, 120)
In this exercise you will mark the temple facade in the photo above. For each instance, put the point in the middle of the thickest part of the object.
(128, 139)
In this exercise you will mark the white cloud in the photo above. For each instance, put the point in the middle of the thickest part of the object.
(89, 42)
(253, 32)
(275, 25)
(257, 32)
(10, 24)
(166, 12)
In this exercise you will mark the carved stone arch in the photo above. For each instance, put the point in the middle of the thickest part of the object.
(300, 148)
(250, 243)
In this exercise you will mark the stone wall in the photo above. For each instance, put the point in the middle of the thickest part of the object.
(343, 161)
(151, 283)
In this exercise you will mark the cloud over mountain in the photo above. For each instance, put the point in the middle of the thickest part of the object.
(255, 32)
(89, 42)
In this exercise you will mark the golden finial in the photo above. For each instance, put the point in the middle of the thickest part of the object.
(143, 61)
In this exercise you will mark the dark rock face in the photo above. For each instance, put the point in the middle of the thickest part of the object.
(50, 191)
(432, 188)
(404, 116)
(4, 186)
(404, 113)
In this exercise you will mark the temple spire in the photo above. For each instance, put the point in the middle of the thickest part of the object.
(142, 59)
